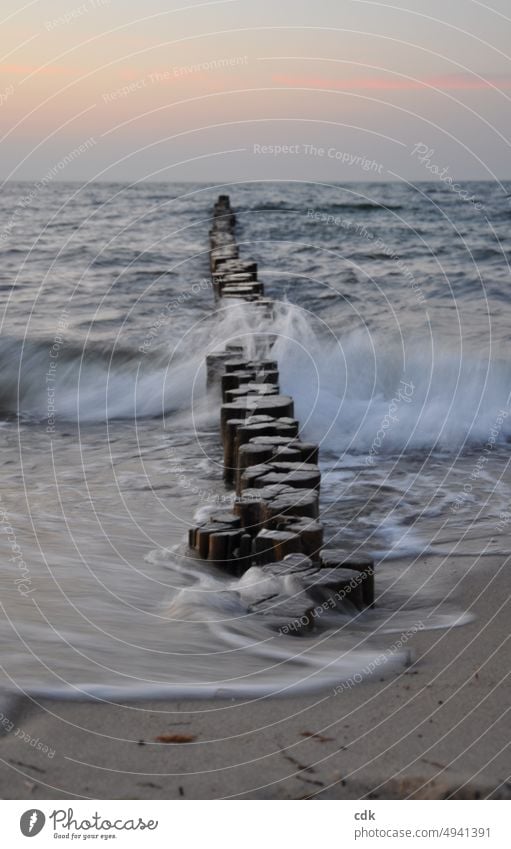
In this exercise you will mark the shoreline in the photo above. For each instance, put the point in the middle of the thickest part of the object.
(435, 730)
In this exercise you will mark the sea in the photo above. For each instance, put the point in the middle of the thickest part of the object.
(392, 331)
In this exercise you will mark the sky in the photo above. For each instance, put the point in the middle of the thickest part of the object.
(255, 89)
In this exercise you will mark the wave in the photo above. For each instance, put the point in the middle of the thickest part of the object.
(359, 392)
(49, 381)
(366, 206)
(364, 392)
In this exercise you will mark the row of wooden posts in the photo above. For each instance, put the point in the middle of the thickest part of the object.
(275, 520)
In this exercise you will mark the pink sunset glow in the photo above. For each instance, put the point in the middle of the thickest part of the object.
(161, 86)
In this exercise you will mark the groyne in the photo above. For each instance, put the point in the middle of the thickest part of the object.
(275, 522)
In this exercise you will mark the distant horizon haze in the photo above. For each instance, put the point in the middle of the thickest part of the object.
(209, 91)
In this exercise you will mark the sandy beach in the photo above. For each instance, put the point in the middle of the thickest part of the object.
(436, 730)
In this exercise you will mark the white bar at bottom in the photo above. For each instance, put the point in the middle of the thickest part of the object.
(236, 824)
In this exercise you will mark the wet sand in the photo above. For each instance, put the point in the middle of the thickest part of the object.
(439, 729)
